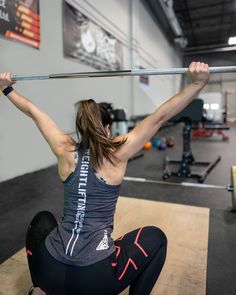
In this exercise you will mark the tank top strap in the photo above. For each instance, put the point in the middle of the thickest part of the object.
(80, 154)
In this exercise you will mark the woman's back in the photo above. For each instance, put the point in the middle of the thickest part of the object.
(83, 237)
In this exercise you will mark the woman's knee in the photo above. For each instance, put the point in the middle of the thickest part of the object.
(45, 217)
(157, 235)
(41, 225)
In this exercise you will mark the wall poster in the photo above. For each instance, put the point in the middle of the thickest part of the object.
(20, 21)
(88, 43)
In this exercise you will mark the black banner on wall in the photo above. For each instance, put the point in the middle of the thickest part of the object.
(20, 21)
(88, 43)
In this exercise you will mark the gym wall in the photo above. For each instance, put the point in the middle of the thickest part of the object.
(22, 148)
(154, 52)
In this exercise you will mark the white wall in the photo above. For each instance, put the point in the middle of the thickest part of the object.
(226, 85)
(210, 99)
(154, 51)
(230, 96)
(22, 148)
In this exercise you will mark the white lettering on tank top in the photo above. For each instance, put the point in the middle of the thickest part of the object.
(81, 204)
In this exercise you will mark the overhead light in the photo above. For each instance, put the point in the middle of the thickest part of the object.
(214, 106)
(232, 41)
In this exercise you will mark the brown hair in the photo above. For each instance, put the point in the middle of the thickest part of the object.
(90, 125)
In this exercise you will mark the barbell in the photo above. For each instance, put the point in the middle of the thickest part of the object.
(230, 188)
(134, 72)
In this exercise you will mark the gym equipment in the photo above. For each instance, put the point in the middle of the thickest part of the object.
(170, 141)
(155, 142)
(208, 130)
(119, 124)
(162, 145)
(230, 188)
(147, 145)
(134, 72)
(233, 186)
(192, 113)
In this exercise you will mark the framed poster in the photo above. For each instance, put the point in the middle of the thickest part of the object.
(20, 21)
(88, 43)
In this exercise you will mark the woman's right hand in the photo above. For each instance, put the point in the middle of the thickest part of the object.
(5, 80)
(199, 73)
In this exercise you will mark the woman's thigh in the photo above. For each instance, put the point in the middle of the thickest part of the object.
(134, 252)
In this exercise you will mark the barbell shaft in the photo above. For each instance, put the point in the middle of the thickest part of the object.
(186, 184)
(135, 72)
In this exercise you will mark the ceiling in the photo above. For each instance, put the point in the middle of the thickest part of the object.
(207, 24)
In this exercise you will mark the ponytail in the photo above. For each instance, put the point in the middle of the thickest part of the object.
(91, 127)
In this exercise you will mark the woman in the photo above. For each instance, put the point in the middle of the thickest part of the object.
(77, 255)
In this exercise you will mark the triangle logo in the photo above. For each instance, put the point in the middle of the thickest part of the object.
(103, 245)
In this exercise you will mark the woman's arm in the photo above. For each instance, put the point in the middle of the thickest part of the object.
(136, 139)
(57, 140)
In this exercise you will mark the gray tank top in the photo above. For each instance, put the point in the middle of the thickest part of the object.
(83, 237)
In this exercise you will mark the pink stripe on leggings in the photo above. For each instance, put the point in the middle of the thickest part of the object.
(138, 245)
(130, 261)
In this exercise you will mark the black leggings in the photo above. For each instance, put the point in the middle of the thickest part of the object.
(137, 262)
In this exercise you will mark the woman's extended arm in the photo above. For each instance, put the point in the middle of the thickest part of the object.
(136, 139)
(57, 139)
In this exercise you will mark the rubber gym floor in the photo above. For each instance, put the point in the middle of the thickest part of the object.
(24, 196)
